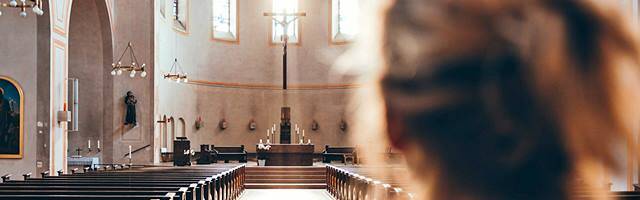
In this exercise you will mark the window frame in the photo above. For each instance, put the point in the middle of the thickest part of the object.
(234, 35)
(334, 24)
(180, 24)
(297, 32)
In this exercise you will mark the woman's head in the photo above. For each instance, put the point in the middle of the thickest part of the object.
(507, 98)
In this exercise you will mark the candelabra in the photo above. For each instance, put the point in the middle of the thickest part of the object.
(23, 5)
(176, 73)
(132, 68)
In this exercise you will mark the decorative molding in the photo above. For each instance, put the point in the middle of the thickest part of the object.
(274, 86)
(60, 12)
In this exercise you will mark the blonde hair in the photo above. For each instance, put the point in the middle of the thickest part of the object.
(509, 99)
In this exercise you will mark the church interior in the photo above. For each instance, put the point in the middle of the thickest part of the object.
(319, 99)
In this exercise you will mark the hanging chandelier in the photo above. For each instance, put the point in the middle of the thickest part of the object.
(23, 5)
(176, 74)
(132, 68)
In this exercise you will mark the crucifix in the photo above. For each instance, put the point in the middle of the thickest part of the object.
(284, 19)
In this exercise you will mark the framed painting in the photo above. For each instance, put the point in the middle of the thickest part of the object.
(11, 119)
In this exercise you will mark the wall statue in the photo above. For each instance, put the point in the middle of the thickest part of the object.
(130, 101)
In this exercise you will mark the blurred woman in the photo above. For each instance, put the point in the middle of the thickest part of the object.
(504, 99)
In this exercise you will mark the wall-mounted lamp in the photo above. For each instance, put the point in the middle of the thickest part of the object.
(223, 124)
(252, 125)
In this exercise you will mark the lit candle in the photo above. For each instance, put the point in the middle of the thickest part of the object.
(129, 151)
(89, 144)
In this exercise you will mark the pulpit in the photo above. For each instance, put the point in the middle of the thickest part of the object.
(288, 155)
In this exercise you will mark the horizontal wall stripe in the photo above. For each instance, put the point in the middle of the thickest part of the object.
(273, 86)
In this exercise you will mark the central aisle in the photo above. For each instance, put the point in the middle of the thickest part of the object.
(285, 194)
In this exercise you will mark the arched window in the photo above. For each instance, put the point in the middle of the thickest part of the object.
(344, 20)
(225, 20)
(180, 14)
(285, 6)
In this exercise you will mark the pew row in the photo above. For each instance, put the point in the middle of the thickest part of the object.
(165, 183)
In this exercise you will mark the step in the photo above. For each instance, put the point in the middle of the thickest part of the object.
(287, 172)
(268, 176)
(285, 186)
(285, 180)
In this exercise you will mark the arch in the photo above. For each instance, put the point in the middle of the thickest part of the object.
(184, 126)
(172, 130)
(163, 133)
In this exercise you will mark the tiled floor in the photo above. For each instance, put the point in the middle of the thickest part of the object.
(284, 194)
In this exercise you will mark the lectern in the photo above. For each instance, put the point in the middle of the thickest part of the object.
(181, 154)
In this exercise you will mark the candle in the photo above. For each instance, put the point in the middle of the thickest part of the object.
(268, 133)
(302, 133)
(268, 142)
(89, 144)
(129, 152)
(98, 144)
(309, 141)
(260, 141)
(300, 141)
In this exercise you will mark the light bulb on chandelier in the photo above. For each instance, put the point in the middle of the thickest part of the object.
(143, 74)
(23, 5)
(132, 74)
(113, 72)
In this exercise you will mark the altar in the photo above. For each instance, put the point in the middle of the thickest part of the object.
(288, 154)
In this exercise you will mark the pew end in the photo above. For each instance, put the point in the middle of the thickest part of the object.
(26, 176)
(6, 178)
(44, 174)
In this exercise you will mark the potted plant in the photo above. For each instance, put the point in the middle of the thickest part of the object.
(262, 153)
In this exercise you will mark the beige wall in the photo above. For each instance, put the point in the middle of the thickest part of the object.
(18, 61)
(132, 21)
(252, 60)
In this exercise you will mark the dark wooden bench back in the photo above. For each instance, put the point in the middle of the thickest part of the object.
(339, 149)
(239, 149)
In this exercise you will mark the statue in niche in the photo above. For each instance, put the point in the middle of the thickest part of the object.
(130, 101)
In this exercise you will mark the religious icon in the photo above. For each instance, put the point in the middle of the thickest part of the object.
(11, 119)
(130, 101)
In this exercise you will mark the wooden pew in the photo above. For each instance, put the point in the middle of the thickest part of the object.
(344, 184)
(339, 153)
(230, 153)
(135, 183)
